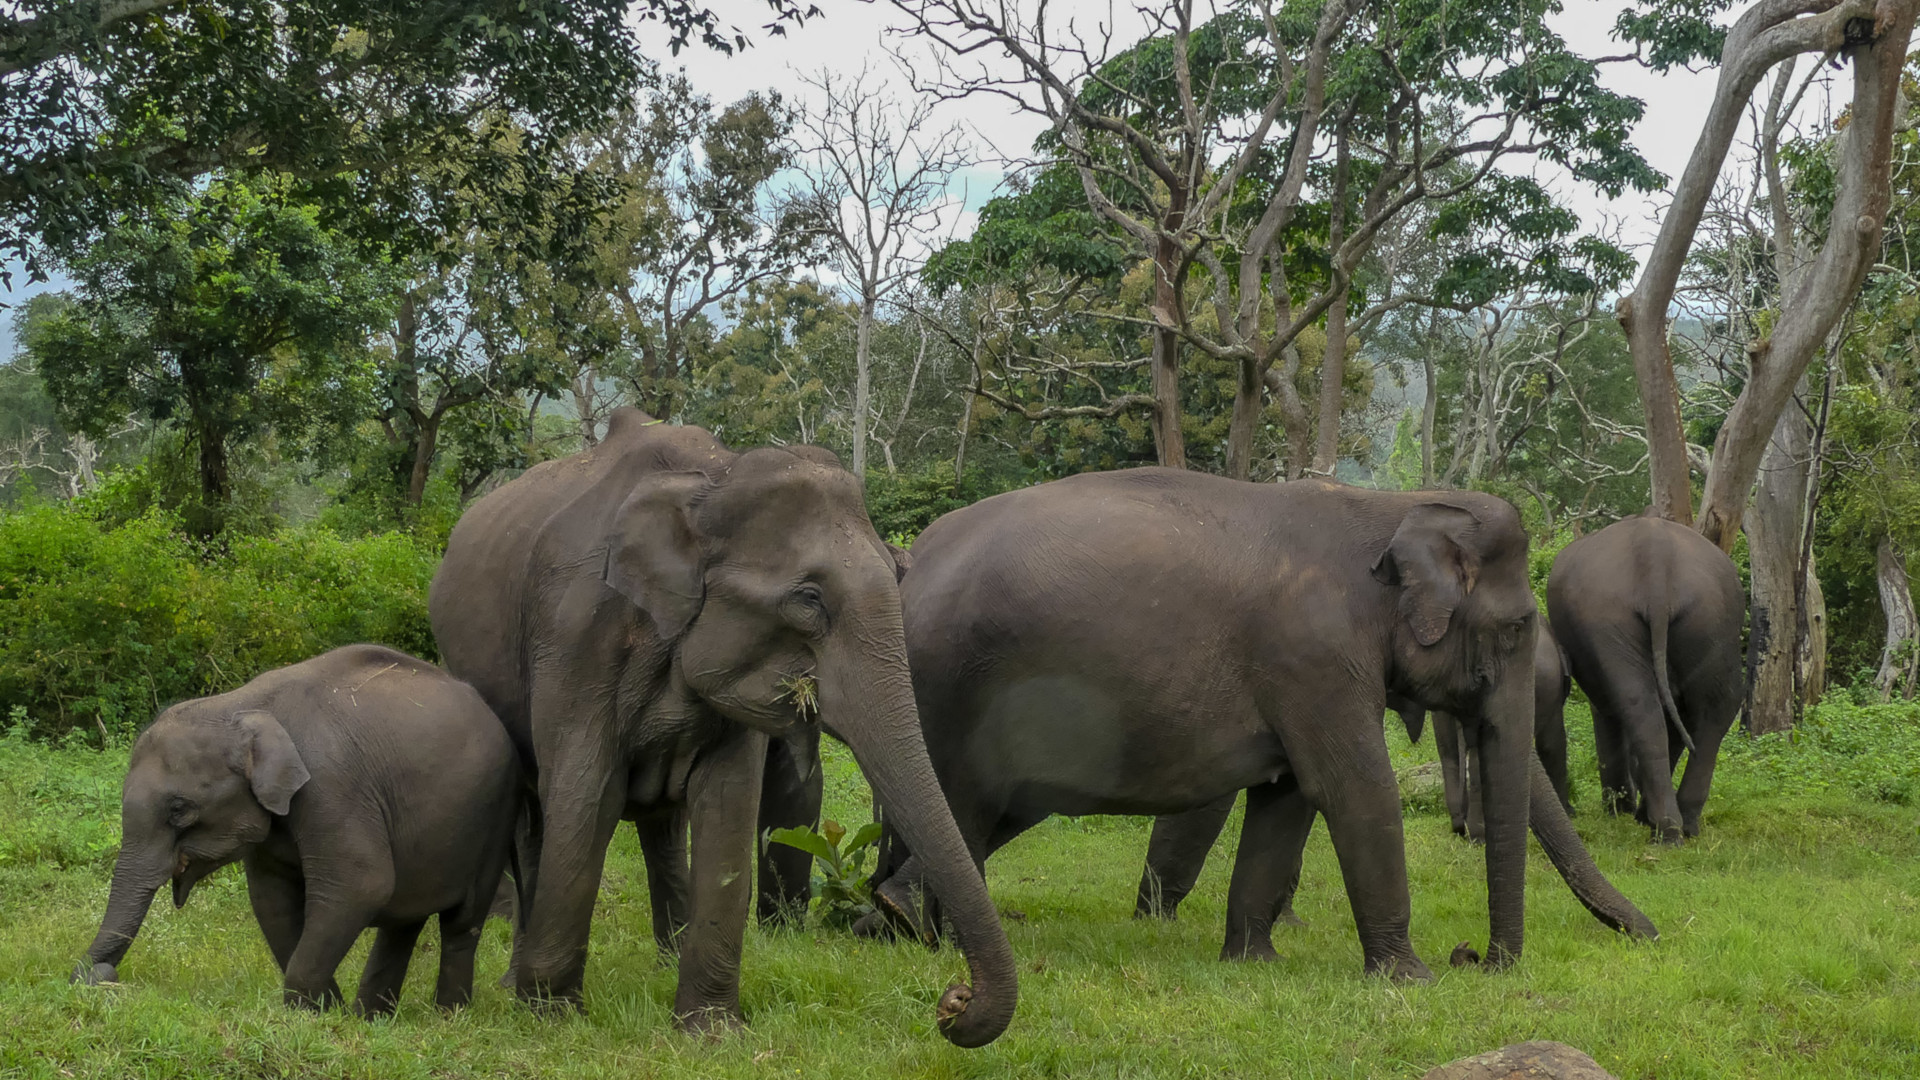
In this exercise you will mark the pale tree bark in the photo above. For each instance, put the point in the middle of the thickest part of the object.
(1333, 366)
(878, 173)
(1900, 655)
(1774, 528)
(862, 383)
(1767, 33)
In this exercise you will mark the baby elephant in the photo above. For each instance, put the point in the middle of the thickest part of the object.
(360, 788)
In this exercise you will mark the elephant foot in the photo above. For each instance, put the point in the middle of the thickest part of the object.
(873, 925)
(544, 1001)
(1255, 951)
(712, 1022)
(1464, 955)
(311, 1000)
(900, 906)
(101, 974)
(1165, 912)
(1406, 968)
(1287, 917)
(507, 981)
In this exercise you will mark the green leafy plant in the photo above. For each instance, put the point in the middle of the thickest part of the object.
(842, 886)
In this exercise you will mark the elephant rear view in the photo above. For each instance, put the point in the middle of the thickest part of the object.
(1649, 613)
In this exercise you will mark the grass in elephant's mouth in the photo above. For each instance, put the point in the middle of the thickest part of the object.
(804, 692)
(1790, 948)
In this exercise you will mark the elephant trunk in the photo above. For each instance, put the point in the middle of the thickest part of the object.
(1506, 748)
(868, 694)
(1576, 866)
(135, 880)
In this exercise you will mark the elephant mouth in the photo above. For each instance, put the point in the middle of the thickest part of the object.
(802, 691)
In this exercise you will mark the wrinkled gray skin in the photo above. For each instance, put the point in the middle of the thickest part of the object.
(636, 615)
(362, 788)
(1649, 613)
(1177, 851)
(1151, 641)
(1458, 771)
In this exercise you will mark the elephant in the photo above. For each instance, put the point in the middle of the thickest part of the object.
(1150, 641)
(644, 616)
(360, 788)
(1178, 846)
(1458, 771)
(1649, 612)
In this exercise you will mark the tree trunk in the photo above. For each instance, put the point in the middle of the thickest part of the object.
(1333, 374)
(1900, 656)
(1774, 529)
(1169, 441)
(862, 384)
(1427, 410)
(1812, 674)
(426, 443)
(1814, 306)
(1246, 420)
(966, 417)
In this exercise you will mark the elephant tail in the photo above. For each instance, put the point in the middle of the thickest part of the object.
(1657, 623)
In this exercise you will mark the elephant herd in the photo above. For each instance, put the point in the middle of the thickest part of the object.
(658, 630)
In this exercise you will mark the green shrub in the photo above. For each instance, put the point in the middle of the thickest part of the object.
(102, 623)
(62, 805)
(1839, 746)
(901, 506)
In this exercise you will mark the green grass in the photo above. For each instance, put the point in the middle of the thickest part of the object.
(1790, 948)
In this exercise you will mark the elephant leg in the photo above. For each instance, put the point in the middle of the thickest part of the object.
(279, 906)
(790, 797)
(1610, 747)
(663, 846)
(1175, 856)
(723, 795)
(330, 930)
(1550, 742)
(527, 828)
(459, 941)
(579, 811)
(1698, 778)
(1632, 698)
(386, 969)
(1343, 769)
(1266, 869)
(1475, 799)
(1453, 780)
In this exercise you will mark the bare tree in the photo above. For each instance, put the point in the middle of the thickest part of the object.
(1204, 157)
(1874, 34)
(878, 175)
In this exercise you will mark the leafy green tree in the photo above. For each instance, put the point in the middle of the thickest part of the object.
(226, 315)
(107, 106)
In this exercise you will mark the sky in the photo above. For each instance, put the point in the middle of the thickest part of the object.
(854, 34)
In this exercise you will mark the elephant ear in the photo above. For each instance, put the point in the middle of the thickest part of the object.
(654, 554)
(270, 763)
(1433, 566)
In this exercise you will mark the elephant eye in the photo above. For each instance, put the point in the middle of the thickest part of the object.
(181, 813)
(809, 594)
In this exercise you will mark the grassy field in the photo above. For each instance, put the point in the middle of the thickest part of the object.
(1790, 948)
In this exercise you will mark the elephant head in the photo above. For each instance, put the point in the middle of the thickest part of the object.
(782, 607)
(201, 789)
(1462, 641)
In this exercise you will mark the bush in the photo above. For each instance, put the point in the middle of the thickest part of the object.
(102, 623)
(1839, 746)
(901, 506)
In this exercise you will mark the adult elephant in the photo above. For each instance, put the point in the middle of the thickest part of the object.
(640, 616)
(1151, 641)
(1650, 612)
(1177, 849)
